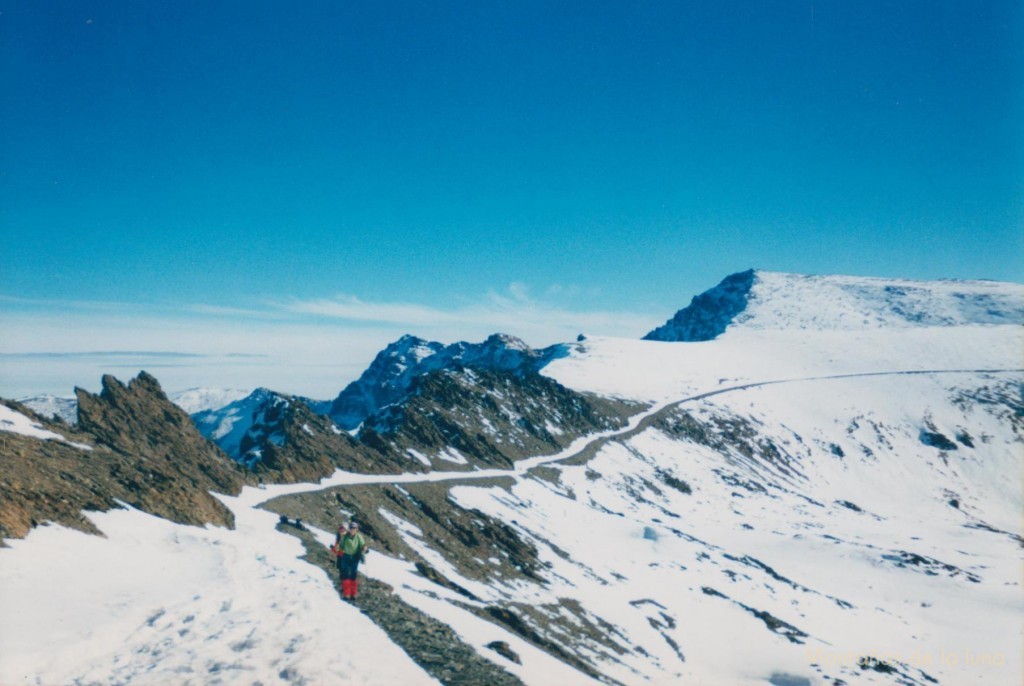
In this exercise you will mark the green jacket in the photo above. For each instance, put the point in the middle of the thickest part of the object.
(352, 545)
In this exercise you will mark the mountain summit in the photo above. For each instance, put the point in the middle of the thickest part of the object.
(390, 376)
(771, 300)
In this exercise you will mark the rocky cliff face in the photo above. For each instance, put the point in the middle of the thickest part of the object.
(133, 446)
(294, 444)
(709, 313)
(465, 418)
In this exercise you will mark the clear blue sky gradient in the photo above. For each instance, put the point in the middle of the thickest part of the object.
(631, 153)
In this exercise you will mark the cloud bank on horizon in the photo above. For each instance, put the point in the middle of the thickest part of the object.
(311, 347)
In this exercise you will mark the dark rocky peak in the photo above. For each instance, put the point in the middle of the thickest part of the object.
(295, 444)
(708, 314)
(127, 416)
(466, 417)
(144, 452)
(138, 419)
(391, 375)
(384, 381)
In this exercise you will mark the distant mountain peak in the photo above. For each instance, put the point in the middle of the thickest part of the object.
(772, 300)
(48, 405)
(194, 400)
(391, 374)
(231, 425)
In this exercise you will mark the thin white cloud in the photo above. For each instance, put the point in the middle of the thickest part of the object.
(220, 311)
(312, 347)
(63, 304)
(514, 313)
(351, 308)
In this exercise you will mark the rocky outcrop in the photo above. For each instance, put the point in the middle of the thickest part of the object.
(298, 445)
(450, 420)
(467, 418)
(135, 447)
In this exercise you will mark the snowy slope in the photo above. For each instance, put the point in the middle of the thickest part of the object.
(802, 567)
(160, 603)
(195, 400)
(16, 422)
(770, 300)
(832, 521)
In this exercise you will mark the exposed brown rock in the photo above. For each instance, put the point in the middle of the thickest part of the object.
(146, 453)
(491, 418)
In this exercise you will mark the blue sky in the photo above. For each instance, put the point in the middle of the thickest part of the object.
(313, 180)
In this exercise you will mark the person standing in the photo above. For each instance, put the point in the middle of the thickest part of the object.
(336, 551)
(351, 549)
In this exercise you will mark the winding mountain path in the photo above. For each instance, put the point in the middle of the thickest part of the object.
(585, 445)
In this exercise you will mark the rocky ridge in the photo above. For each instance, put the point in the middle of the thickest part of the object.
(465, 418)
(138, 449)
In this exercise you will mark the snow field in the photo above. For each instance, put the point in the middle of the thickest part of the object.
(159, 603)
(16, 422)
(598, 514)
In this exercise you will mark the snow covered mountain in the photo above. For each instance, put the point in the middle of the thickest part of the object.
(388, 379)
(195, 400)
(454, 418)
(769, 300)
(239, 425)
(816, 486)
(53, 406)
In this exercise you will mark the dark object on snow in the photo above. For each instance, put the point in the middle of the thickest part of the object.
(503, 649)
(429, 572)
(581, 338)
(937, 440)
(284, 521)
(650, 534)
(672, 482)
